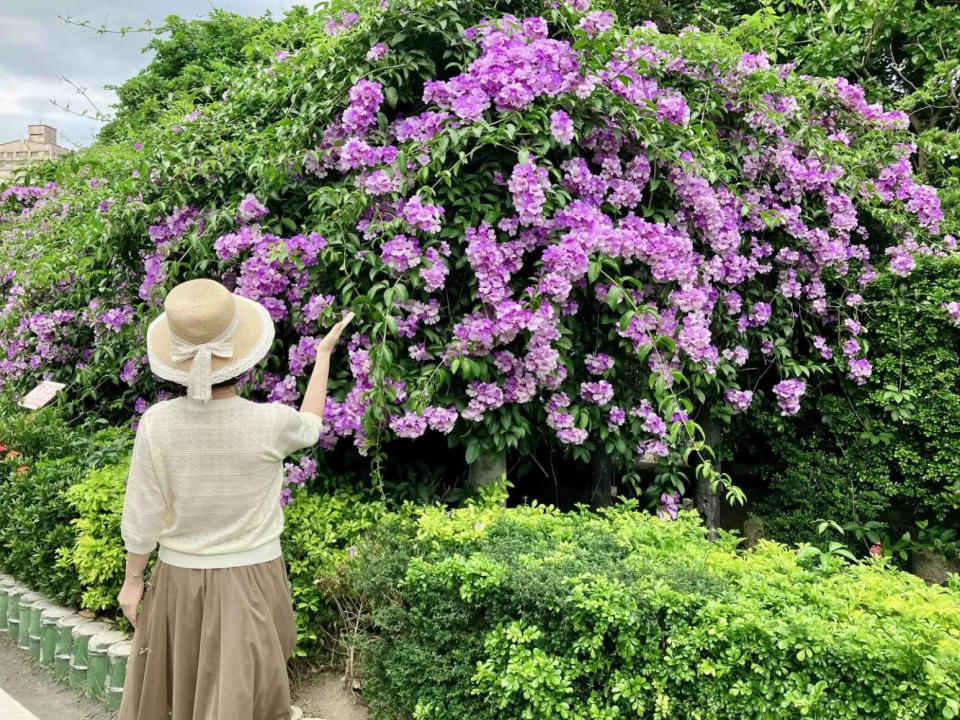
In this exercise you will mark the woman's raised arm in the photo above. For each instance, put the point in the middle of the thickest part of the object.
(315, 398)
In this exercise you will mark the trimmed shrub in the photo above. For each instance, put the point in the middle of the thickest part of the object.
(34, 522)
(319, 529)
(97, 556)
(487, 612)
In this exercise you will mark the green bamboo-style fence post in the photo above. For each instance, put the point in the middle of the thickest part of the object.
(13, 611)
(97, 661)
(117, 657)
(63, 653)
(48, 632)
(80, 659)
(33, 627)
(6, 583)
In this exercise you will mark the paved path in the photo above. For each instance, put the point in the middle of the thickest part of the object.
(10, 709)
(29, 692)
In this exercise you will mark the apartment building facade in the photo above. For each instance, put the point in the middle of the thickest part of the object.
(40, 144)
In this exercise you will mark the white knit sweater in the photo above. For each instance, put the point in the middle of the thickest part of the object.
(205, 480)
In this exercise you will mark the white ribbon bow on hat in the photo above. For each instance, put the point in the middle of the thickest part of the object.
(200, 381)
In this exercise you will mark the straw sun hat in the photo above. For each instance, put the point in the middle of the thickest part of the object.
(206, 335)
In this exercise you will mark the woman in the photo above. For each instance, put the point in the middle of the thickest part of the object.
(217, 624)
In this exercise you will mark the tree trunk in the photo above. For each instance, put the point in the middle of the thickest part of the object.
(708, 501)
(488, 469)
(602, 480)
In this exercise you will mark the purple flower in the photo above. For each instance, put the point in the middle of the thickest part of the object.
(851, 347)
(401, 253)
(860, 370)
(739, 400)
(738, 355)
(669, 506)
(902, 264)
(441, 419)
(572, 436)
(596, 23)
(953, 311)
(409, 425)
(599, 393)
(598, 364)
(821, 344)
(561, 127)
(422, 217)
(760, 314)
(616, 417)
(250, 208)
(788, 393)
(527, 184)
(672, 108)
(377, 52)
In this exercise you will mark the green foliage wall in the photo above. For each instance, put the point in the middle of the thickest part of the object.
(887, 452)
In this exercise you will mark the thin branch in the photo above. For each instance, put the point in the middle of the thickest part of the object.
(103, 29)
(82, 92)
(83, 114)
(874, 31)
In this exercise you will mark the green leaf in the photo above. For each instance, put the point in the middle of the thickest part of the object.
(390, 93)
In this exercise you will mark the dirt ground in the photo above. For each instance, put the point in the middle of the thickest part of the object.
(35, 689)
(322, 695)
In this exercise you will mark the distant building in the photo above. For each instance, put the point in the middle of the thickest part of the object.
(41, 144)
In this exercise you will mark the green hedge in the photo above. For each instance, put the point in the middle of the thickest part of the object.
(530, 613)
(36, 521)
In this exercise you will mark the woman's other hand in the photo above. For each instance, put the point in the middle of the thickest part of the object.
(129, 598)
(330, 340)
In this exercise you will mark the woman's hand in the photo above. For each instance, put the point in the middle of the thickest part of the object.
(129, 598)
(330, 340)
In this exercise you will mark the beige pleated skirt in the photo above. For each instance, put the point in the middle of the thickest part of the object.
(212, 644)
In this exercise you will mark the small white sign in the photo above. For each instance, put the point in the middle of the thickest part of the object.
(40, 395)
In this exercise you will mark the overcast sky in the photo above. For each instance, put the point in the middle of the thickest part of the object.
(37, 48)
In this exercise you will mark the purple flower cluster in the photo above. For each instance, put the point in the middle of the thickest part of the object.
(596, 23)
(669, 506)
(788, 394)
(341, 22)
(598, 364)
(599, 393)
(401, 253)
(377, 52)
(739, 400)
(721, 277)
(527, 184)
(422, 217)
(561, 126)
(365, 99)
(251, 209)
(953, 312)
(518, 63)
(297, 475)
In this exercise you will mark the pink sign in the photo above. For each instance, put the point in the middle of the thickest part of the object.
(40, 395)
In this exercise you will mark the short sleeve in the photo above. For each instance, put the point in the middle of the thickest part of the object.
(294, 430)
(144, 507)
